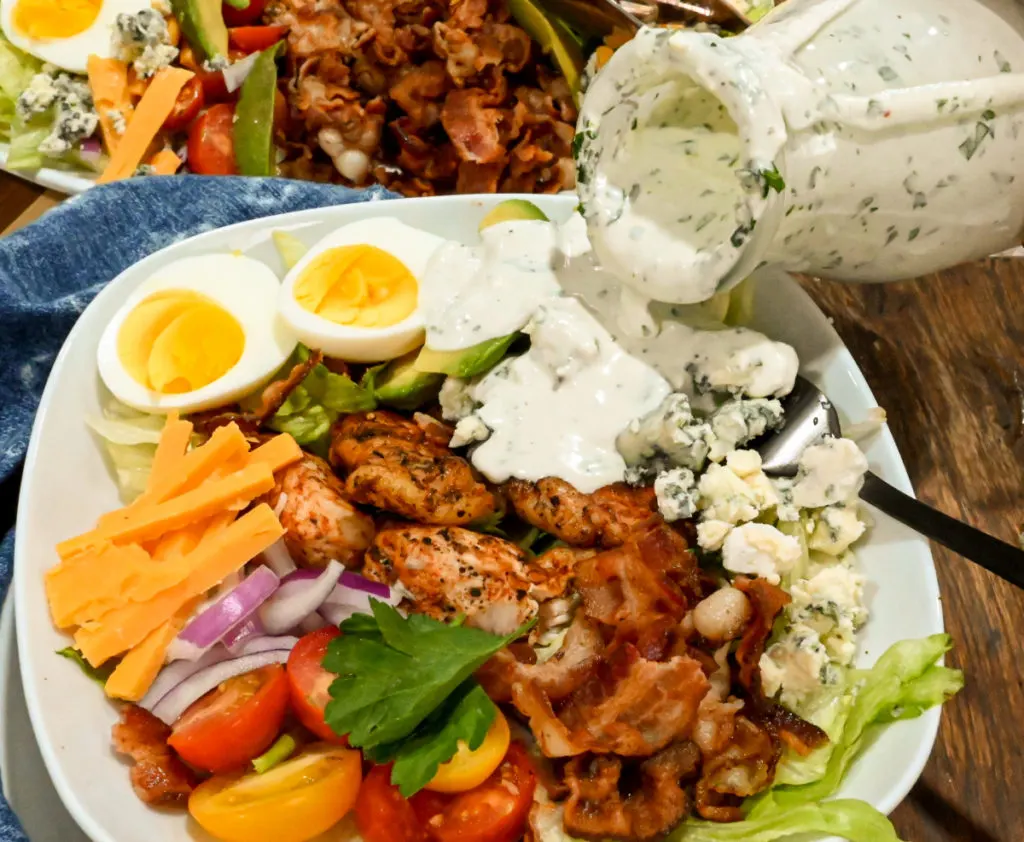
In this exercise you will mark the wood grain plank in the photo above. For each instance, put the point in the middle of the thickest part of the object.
(15, 196)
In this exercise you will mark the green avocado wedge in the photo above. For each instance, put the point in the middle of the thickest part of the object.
(202, 23)
(401, 385)
(254, 116)
(512, 210)
(554, 38)
(467, 362)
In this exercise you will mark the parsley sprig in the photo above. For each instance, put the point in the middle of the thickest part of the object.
(405, 692)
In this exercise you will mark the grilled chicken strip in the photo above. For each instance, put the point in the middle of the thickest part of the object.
(402, 467)
(605, 518)
(321, 523)
(450, 571)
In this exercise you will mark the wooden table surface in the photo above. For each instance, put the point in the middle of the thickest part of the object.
(945, 357)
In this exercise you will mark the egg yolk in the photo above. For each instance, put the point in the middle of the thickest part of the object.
(361, 286)
(178, 341)
(55, 18)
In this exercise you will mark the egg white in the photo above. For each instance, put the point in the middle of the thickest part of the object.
(412, 246)
(241, 285)
(73, 52)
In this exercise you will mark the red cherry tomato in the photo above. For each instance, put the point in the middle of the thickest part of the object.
(383, 815)
(252, 39)
(310, 683)
(211, 141)
(189, 103)
(243, 17)
(214, 86)
(496, 811)
(231, 725)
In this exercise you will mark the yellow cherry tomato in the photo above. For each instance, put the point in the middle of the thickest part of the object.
(468, 769)
(293, 802)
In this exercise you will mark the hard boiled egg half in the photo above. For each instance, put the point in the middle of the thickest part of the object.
(65, 32)
(355, 294)
(201, 332)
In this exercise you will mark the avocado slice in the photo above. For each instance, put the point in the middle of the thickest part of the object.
(401, 385)
(467, 362)
(554, 38)
(254, 116)
(202, 23)
(512, 210)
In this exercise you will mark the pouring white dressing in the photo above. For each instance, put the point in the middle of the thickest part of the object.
(593, 365)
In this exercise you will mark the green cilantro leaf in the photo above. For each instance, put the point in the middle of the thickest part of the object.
(465, 716)
(392, 678)
(97, 674)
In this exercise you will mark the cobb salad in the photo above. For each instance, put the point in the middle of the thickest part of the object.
(422, 97)
(432, 540)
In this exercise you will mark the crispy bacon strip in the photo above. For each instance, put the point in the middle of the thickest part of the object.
(158, 775)
(767, 602)
(600, 805)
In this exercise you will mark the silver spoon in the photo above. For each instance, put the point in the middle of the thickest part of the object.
(810, 416)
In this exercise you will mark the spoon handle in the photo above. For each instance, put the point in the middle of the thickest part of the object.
(1005, 560)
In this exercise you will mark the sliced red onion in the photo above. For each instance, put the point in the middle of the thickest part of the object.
(234, 74)
(175, 673)
(241, 633)
(90, 150)
(236, 606)
(337, 613)
(197, 685)
(298, 597)
(361, 583)
(278, 559)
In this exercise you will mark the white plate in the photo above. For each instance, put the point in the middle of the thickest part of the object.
(27, 786)
(66, 487)
(63, 181)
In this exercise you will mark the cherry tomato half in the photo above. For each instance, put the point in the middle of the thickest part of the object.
(188, 105)
(215, 88)
(244, 17)
(383, 815)
(495, 811)
(252, 39)
(293, 802)
(310, 683)
(469, 769)
(234, 723)
(211, 141)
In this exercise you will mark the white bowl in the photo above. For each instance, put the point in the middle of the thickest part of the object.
(67, 486)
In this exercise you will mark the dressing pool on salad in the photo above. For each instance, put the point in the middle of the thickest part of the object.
(466, 542)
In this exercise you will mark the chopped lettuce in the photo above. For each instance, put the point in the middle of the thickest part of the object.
(846, 818)
(903, 684)
(315, 404)
(16, 71)
(98, 674)
(290, 247)
(129, 438)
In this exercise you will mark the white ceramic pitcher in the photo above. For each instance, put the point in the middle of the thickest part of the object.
(896, 127)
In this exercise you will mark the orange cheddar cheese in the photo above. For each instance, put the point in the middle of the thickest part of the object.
(170, 452)
(232, 492)
(139, 668)
(92, 583)
(209, 564)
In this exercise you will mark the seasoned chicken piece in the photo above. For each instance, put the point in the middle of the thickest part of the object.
(403, 467)
(321, 523)
(450, 571)
(158, 775)
(605, 518)
(552, 572)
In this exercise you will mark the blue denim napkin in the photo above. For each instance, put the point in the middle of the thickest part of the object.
(52, 269)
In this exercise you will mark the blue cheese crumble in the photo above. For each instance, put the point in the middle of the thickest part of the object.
(456, 399)
(676, 492)
(66, 101)
(828, 473)
(144, 40)
(758, 549)
(738, 491)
